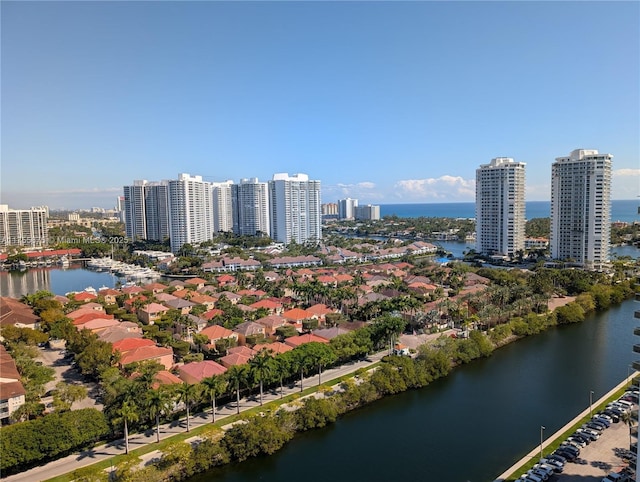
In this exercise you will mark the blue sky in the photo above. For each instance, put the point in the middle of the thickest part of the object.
(387, 102)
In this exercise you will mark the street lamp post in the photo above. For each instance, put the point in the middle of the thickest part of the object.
(591, 403)
(542, 427)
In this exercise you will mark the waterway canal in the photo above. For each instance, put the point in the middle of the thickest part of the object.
(470, 426)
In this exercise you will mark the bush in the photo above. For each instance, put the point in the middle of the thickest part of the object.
(316, 413)
(259, 436)
(29, 443)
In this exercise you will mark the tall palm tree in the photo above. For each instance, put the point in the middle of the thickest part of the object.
(261, 366)
(128, 412)
(628, 420)
(186, 392)
(236, 375)
(158, 401)
(214, 386)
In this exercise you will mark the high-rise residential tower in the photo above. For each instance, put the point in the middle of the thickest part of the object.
(190, 211)
(251, 208)
(500, 207)
(581, 208)
(347, 208)
(222, 206)
(146, 210)
(23, 227)
(295, 208)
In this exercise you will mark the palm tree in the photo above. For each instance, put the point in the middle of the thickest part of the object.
(158, 401)
(628, 420)
(213, 386)
(236, 375)
(186, 393)
(128, 412)
(261, 366)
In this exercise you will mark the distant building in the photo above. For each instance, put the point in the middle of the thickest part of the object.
(368, 212)
(146, 210)
(330, 209)
(251, 208)
(347, 208)
(581, 208)
(23, 227)
(222, 206)
(295, 208)
(500, 207)
(190, 211)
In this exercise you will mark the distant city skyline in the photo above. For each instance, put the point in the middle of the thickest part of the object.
(384, 102)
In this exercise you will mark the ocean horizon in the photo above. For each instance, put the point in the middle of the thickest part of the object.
(625, 210)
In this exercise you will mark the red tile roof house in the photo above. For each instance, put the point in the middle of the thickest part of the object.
(216, 332)
(211, 314)
(274, 308)
(151, 313)
(88, 308)
(155, 288)
(248, 328)
(83, 296)
(109, 295)
(15, 313)
(91, 315)
(162, 355)
(330, 333)
(132, 291)
(163, 297)
(276, 347)
(225, 279)
(320, 311)
(127, 344)
(297, 315)
(231, 296)
(120, 332)
(197, 282)
(163, 377)
(234, 359)
(295, 341)
(130, 304)
(272, 322)
(97, 325)
(200, 299)
(197, 371)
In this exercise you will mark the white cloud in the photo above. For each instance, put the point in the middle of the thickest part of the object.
(443, 188)
(364, 190)
(626, 172)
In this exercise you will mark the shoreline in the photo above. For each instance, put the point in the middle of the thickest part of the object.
(535, 452)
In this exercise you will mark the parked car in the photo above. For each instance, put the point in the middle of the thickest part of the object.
(605, 422)
(539, 473)
(557, 458)
(615, 417)
(547, 469)
(613, 477)
(565, 454)
(553, 463)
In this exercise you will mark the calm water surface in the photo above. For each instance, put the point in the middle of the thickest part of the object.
(472, 425)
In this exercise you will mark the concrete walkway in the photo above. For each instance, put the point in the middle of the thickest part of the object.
(103, 452)
(535, 452)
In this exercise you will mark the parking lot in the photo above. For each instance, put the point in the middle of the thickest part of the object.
(600, 457)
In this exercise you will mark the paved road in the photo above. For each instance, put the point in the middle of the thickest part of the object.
(98, 454)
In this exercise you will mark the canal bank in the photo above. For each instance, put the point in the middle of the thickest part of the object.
(559, 435)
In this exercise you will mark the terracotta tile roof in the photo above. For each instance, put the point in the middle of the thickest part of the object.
(275, 347)
(195, 281)
(154, 308)
(129, 344)
(241, 350)
(91, 315)
(155, 287)
(145, 353)
(14, 312)
(195, 372)
(302, 339)
(234, 359)
(97, 324)
(211, 314)
(320, 309)
(215, 332)
(163, 377)
(272, 322)
(297, 314)
(268, 304)
(109, 291)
